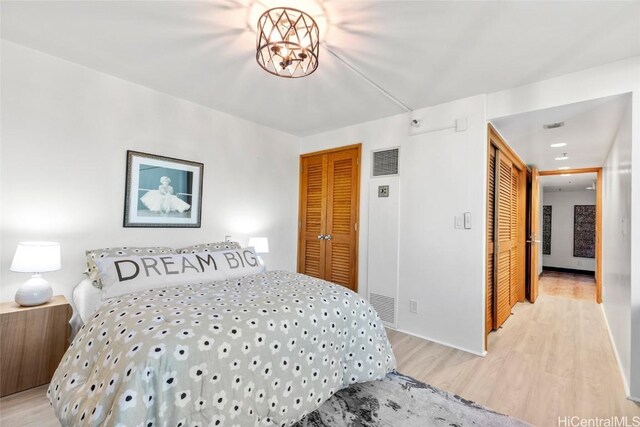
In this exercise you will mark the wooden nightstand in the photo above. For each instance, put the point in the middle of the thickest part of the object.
(33, 341)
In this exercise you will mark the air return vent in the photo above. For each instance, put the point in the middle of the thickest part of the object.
(385, 162)
(385, 306)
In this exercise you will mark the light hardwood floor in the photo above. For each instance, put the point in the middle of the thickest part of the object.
(551, 359)
(568, 285)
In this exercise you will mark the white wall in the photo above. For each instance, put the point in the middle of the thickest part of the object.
(464, 276)
(442, 175)
(616, 241)
(562, 215)
(65, 133)
(598, 82)
(610, 79)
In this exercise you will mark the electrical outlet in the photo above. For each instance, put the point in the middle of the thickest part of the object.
(458, 222)
(383, 191)
(413, 306)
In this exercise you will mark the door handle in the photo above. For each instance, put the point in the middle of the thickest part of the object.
(320, 237)
(328, 237)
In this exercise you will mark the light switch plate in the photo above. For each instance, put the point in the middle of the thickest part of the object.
(467, 220)
(383, 191)
(458, 222)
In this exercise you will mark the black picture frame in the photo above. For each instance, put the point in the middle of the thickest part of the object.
(584, 231)
(162, 192)
(547, 212)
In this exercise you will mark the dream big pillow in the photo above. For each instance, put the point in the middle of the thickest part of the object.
(123, 275)
(94, 254)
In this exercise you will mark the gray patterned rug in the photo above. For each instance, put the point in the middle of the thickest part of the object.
(399, 400)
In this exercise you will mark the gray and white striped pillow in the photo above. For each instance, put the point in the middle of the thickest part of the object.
(208, 247)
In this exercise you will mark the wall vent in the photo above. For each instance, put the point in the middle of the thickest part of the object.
(385, 306)
(385, 162)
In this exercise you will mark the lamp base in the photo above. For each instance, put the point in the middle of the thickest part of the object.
(34, 291)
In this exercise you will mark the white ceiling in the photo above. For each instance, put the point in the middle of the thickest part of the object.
(589, 129)
(423, 52)
(575, 182)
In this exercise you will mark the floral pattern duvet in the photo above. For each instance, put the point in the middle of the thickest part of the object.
(257, 351)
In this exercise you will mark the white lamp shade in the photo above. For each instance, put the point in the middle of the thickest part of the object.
(36, 257)
(260, 244)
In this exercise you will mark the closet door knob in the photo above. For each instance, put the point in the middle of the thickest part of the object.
(320, 237)
(328, 237)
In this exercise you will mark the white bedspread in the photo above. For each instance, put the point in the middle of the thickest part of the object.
(260, 350)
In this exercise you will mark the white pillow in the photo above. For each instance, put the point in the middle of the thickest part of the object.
(86, 298)
(123, 275)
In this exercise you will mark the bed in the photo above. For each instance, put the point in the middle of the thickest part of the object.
(261, 349)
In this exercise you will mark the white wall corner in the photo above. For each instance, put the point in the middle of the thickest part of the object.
(625, 383)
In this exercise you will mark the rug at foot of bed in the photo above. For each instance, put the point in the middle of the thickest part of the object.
(398, 400)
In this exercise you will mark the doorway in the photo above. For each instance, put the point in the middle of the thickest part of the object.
(329, 215)
(568, 142)
(572, 197)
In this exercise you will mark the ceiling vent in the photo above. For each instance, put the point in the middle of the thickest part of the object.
(385, 162)
(553, 125)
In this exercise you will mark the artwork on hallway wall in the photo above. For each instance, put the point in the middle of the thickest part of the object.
(162, 191)
(546, 230)
(584, 231)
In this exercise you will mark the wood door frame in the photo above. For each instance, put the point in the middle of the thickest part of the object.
(598, 172)
(533, 261)
(358, 147)
(495, 139)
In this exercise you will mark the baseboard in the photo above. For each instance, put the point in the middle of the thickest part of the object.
(635, 399)
(569, 270)
(483, 354)
(627, 390)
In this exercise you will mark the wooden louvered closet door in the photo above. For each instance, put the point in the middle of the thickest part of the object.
(313, 201)
(342, 217)
(506, 228)
(329, 204)
(491, 203)
(502, 297)
(513, 238)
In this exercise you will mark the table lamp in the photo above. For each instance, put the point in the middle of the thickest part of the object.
(261, 246)
(35, 258)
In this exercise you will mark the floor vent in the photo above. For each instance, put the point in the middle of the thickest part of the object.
(385, 162)
(385, 306)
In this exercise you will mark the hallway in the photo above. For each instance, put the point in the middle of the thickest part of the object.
(551, 359)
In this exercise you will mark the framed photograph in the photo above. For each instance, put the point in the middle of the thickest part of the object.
(162, 191)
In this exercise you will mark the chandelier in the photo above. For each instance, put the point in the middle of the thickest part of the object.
(287, 43)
